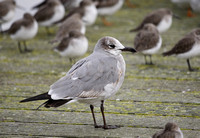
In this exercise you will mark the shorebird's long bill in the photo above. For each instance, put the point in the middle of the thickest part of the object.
(130, 49)
(176, 16)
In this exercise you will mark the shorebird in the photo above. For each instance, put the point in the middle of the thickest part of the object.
(50, 13)
(91, 80)
(187, 47)
(22, 30)
(88, 11)
(195, 5)
(7, 11)
(108, 7)
(75, 45)
(171, 130)
(68, 4)
(161, 18)
(181, 3)
(74, 22)
(148, 41)
(185, 4)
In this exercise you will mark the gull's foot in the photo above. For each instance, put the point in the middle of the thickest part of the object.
(193, 69)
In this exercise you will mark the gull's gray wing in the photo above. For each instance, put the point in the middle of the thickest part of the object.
(87, 78)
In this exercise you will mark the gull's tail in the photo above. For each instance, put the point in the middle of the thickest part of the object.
(49, 103)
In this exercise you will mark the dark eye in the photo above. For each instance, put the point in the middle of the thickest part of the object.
(111, 46)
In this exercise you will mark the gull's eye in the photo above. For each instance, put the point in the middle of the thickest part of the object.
(111, 46)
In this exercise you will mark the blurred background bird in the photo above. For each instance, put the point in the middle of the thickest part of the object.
(7, 11)
(88, 11)
(187, 47)
(161, 18)
(171, 130)
(148, 41)
(107, 8)
(74, 22)
(68, 4)
(22, 30)
(72, 46)
(50, 13)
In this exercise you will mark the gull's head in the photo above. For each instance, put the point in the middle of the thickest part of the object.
(111, 45)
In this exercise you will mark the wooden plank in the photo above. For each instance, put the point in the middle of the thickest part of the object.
(119, 107)
(62, 130)
(85, 118)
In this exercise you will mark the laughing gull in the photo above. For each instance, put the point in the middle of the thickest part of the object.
(171, 130)
(148, 41)
(22, 30)
(50, 13)
(108, 7)
(91, 80)
(161, 18)
(75, 45)
(7, 11)
(187, 47)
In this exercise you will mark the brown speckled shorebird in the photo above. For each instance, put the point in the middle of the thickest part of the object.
(22, 30)
(88, 11)
(187, 47)
(108, 7)
(68, 4)
(72, 46)
(7, 11)
(148, 41)
(161, 18)
(50, 13)
(171, 130)
(74, 22)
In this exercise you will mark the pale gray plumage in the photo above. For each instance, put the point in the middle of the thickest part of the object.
(91, 75)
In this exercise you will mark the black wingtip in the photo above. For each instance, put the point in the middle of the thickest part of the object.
(43, 96)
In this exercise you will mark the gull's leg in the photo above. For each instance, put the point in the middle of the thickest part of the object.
(105, 126)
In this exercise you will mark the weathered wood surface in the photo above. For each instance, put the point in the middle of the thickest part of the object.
(150, 96)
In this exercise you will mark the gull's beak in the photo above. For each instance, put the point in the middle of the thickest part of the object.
(130, 49)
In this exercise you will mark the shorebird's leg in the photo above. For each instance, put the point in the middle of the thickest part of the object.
(25, 47)
(1, 31)
(151, 63)
(19, 47)
(105, 22)
(92, 110)
(47, 30)
(190, 13)
(129, 4)
(189, 67)
(145, 59)
(105, 126)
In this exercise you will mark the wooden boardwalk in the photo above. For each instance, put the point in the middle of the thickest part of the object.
(150, 96)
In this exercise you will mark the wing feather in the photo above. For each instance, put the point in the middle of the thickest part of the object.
(86, 76)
